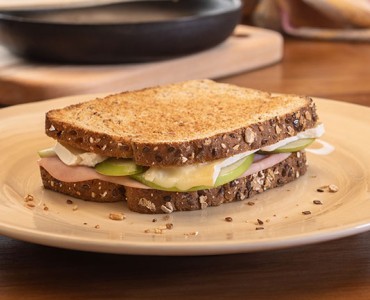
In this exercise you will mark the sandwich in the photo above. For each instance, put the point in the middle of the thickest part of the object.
(178, 147)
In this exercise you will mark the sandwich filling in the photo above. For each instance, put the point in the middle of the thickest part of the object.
(73, 165)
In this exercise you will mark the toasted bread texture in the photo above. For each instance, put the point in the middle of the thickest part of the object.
(149, 201)
(184, 123)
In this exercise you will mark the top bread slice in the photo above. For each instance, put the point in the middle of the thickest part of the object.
(182, 123)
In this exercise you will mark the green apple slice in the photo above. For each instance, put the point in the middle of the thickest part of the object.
(118, 167)
(233, 171)
(295, 146)
(49, 152)
(226, 175)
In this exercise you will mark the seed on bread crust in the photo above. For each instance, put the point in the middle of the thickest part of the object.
(203, 202)
(290, 130)
(207, 142)
(249, 136)
(147, 204)
(167, 208)
(308, 115)
(277, 129)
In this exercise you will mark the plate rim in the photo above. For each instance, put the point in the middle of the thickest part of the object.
(180, 248)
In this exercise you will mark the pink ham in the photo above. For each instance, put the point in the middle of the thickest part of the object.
(62, 172)
(267, 161)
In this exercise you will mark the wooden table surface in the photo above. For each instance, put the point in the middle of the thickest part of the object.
(332, 270)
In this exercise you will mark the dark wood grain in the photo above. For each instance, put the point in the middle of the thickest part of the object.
(335, 70)
(333, 270)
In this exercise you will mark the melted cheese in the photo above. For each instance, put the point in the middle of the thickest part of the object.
(184, 177)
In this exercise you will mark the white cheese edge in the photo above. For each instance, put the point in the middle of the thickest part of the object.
(75, 157)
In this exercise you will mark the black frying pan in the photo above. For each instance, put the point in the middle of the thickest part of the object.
(124, 32)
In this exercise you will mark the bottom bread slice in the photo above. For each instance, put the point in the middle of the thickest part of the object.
(150, 201)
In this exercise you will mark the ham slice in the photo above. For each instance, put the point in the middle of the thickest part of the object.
(62, 172)
(264, 162)
(56, 168)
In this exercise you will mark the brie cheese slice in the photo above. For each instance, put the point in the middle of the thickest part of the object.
(73, 157)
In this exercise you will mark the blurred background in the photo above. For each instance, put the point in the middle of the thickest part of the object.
(320, 48)
(52, 49)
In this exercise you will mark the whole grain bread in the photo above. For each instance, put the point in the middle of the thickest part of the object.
(151, 201)
(183, 123)
(90, 190)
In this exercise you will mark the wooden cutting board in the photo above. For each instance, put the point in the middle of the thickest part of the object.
(247, 49)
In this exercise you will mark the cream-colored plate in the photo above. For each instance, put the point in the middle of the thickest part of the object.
(342, 214)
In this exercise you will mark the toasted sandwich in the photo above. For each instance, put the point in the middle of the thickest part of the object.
(179, 147)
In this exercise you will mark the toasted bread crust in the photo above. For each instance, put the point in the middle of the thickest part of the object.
(180, 139)
(149, 201)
